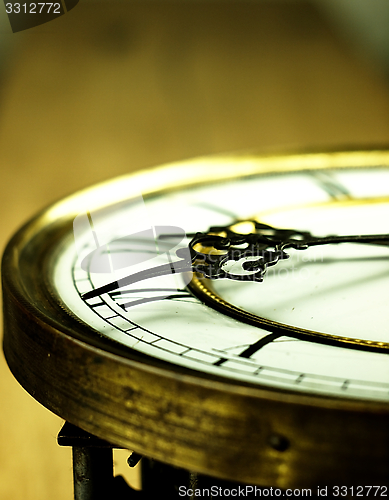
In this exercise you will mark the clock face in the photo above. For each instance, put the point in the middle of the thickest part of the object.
(317, 324)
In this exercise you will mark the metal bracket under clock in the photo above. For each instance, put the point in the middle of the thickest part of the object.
(93, 475)
(94, 478)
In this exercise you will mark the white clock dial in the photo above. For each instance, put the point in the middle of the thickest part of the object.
(340, 290)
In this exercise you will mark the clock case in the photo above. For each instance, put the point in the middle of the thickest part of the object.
(208, 424)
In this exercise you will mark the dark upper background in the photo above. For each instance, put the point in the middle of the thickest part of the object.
(115, 86)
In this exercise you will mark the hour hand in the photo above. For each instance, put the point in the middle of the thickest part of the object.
(170, 268)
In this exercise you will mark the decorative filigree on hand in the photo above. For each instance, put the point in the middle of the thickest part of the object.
(257, 250)
(213, 251)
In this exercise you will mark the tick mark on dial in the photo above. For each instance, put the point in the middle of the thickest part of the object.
(220, 361)
(111, 317)
(97, 305)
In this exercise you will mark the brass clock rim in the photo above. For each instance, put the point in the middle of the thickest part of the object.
(177, 416)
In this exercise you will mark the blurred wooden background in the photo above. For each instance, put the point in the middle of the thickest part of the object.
(116, 86)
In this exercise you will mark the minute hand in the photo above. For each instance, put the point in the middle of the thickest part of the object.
(176, 267)
(266, 245)
(372, 239)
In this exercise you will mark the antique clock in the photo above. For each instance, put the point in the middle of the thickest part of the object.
(228, 315)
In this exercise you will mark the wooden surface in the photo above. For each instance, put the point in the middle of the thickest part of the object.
(113, 86)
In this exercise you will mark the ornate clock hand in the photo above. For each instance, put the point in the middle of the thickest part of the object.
(210, 252)
(207, 262)
(171, 268)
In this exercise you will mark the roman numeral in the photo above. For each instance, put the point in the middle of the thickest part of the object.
(253, 348)
(331, 185)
